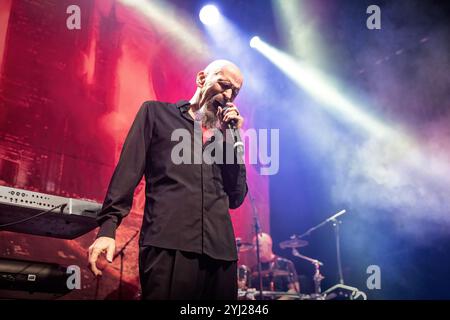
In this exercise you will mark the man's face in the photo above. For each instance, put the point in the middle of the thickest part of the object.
(221, 87)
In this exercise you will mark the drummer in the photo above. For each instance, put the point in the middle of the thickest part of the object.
(278, 274)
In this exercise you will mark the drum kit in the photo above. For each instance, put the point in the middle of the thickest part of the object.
(245, 276)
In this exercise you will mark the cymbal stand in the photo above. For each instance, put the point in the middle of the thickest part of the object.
(318, 277)
(257, 231)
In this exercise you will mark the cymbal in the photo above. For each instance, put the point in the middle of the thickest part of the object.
(294, 243)
(272, 273)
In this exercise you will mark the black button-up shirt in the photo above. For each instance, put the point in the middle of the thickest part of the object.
(186, 205)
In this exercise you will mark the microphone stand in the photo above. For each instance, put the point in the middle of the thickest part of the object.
(121, 253)
(355, 292)
(257, 231)
(332, 218)
(336, 223)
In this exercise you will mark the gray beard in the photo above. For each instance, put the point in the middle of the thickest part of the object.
(207, 117)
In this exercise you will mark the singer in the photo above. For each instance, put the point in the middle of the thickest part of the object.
(187, 246)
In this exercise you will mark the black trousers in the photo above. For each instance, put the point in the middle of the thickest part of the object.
(167, 274)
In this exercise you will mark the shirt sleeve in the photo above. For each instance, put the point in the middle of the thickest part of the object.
(235, 181)
(127, 174)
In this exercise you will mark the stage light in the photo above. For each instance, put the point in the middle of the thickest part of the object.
(255, 41)
(209, 14)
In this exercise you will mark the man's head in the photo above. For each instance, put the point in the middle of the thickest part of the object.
(220, 81)
(217, 84)
(265, 246)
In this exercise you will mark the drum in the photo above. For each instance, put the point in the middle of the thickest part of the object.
(243, 277)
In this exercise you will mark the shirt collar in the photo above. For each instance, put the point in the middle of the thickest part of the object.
(183, 105)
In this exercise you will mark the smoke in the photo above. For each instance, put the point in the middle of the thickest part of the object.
(410, 185)
(405, 181)
(405, 186)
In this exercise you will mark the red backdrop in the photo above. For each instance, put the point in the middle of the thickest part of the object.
(67, 99)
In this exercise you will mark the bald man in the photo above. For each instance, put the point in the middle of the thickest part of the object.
(187, 245)
(270, 264)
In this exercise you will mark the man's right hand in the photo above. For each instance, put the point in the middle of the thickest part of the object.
(100, 246)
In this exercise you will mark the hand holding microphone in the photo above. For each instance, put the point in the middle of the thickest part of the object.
(228, 113)
(231, 119)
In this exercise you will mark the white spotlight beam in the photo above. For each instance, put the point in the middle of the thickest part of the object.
(179, 26)
(399, 147)
(321, 89)
(299, 26)
(232, 44)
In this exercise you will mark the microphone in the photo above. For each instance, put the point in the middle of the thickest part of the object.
(238, 145)
(340, 213)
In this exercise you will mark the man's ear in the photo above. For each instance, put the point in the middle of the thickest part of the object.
(201, 78)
